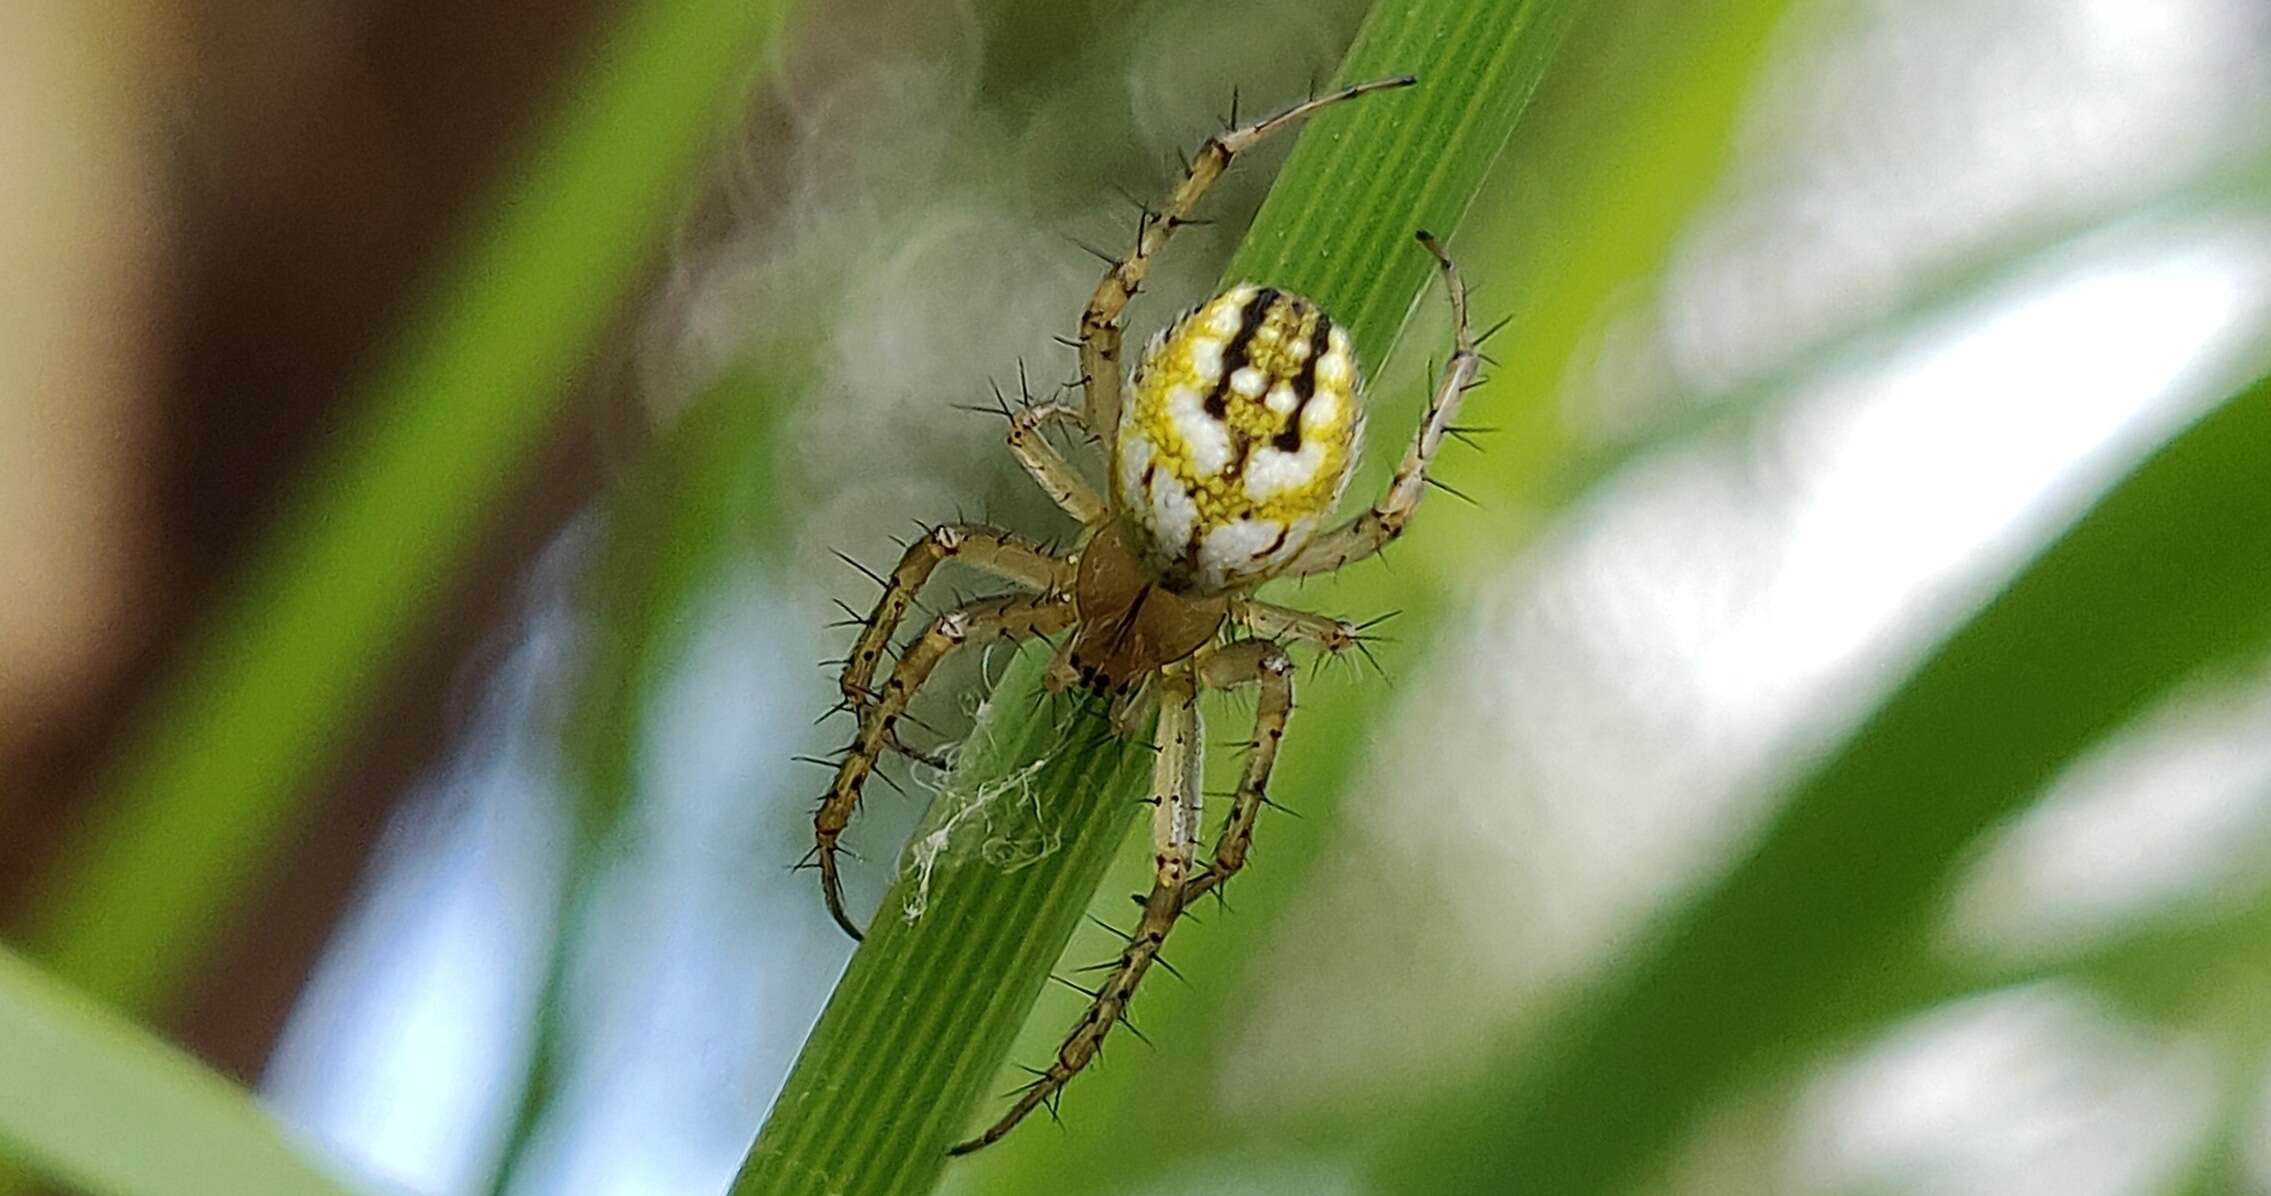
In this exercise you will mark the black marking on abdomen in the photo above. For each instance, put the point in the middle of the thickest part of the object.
(1305, 386)
(1241, 343)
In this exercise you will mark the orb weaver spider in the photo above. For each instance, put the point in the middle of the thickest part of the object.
(1238, 434)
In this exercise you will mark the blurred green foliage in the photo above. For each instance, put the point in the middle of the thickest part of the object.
(198, 805)
(89, 1099)
(2163, 580)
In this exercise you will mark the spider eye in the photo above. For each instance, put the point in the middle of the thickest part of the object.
(1237, 437)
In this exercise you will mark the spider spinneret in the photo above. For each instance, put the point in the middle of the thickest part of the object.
(1227, 448)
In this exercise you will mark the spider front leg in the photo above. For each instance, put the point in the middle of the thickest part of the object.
(1273, 622)
(1100, 324)
(1174, 829)
(1370, 532)
(1010, 618)
(1050, 470)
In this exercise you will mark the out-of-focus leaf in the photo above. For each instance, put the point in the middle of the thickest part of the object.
(196, 804)
(2167, 575)
(673, 526)
(90, 1100)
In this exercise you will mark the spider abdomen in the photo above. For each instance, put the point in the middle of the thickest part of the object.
(1238, 434)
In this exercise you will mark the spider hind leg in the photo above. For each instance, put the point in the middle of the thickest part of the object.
(1175, 818)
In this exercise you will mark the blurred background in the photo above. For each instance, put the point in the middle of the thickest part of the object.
(1828, 316)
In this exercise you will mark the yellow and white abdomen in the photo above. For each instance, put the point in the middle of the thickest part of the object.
(1237, 436)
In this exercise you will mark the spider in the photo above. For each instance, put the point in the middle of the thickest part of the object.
(1229, 445)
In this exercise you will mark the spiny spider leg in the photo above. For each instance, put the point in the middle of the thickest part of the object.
(1174, 831)
(1010, 618)
(1050, 470)
(1175, 820)
(980, 547)
(1370, 532)
(1100, 325)
(1267, 666)
(1270, 621)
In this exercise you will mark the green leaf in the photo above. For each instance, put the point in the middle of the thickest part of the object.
(199, 801)
(2165, 577)
(91, 1100)
(914, 1035)
(918, 1029)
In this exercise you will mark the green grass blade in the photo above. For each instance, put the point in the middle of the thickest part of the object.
(193, 809)
(917, 1031)
(2165, 577)
(90, 1100)
(914, 1036)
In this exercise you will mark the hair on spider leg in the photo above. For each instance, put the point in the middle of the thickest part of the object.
(1142, 207)
(1094, 252)
(1090, 993)
(1465, 434)
(1497, 326)
(1447, 488)
(886, 778)
(863, 570)
(1124, 935)
(1359, 629)
(1025, 386)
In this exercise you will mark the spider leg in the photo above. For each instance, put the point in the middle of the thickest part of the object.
(1267, 666)
(983, 548)
(1270, 621)
(1174, 828)
(1370, 532)
(1010, 618)
(1100, 324)
(1048, 466)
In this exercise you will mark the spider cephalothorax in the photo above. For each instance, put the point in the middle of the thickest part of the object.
(1226, 451)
